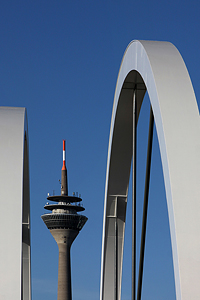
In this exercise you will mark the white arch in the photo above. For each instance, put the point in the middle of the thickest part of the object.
(15, 279)
(158, 67)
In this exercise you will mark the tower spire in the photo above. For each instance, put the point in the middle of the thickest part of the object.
(64, 184)
(64, 165)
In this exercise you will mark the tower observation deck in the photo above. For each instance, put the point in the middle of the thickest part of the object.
(64, 223)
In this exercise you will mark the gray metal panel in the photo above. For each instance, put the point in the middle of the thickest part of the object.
(15, 280)
(176, 114)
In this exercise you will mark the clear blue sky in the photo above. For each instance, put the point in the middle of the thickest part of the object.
(60, 60)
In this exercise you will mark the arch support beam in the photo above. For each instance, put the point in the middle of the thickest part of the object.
(15, 278)
(158, 68)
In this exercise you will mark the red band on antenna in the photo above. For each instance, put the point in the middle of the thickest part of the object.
(64, 166)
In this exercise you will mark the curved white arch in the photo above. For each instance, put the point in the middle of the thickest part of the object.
(15, 278)
(159, 68)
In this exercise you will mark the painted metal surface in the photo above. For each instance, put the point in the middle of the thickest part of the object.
(15, 278)
(158, 68)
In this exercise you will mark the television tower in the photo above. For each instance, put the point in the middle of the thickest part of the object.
(64, 223)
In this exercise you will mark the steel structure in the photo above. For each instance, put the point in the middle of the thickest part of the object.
(15, 277)
(158, 68)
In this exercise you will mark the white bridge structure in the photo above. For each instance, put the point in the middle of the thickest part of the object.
(158, 68)
(15, 278)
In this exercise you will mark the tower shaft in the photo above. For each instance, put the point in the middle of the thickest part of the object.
(64, 239)
(64, 274)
